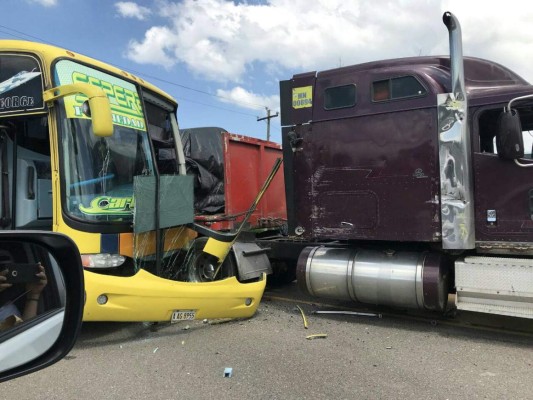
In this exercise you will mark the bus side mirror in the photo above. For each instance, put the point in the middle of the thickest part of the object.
(509, 140)
(98, 104)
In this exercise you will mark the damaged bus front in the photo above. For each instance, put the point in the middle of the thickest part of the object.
(98, 158)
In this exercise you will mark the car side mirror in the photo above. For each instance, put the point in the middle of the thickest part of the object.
(509, 140)
(41, 300)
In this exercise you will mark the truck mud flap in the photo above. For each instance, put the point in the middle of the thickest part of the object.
(252, 261)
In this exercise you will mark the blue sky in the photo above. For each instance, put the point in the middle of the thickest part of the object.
(222, 60)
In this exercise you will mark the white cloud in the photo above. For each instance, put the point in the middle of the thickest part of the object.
(222, 40)
(129, 9)
(500, 34)
(45, 3)
(154, 49)
(248, 99)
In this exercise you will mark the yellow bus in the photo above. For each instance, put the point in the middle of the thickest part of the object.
(94, 152)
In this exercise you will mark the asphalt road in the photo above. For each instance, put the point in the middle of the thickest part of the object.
(394, 357)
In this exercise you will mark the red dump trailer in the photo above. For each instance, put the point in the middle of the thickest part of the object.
(229, 172)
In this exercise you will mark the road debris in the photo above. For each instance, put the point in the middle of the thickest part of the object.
(157, 348)
(361, 314)
(220, 321)
(317, 336)
(228, 372)
(303, 316)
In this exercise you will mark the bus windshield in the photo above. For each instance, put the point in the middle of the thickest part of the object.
(98, 172)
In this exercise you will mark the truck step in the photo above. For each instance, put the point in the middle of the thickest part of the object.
(495, 285)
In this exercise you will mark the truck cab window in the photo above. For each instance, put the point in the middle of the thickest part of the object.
(397, 88)
(339, 97)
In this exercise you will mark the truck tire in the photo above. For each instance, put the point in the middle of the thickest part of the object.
(283, 272)
(202, 266)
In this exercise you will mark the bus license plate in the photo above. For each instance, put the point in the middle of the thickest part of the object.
(183, 315)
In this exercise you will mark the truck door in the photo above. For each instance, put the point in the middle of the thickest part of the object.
(503, 190)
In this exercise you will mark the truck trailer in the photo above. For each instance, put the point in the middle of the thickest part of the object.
(229, 170)
(410, 179)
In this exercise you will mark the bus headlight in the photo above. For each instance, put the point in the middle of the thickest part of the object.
(102, 260)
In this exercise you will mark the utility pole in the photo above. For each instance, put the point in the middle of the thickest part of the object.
(268, 117)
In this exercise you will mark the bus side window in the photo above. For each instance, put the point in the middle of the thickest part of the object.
(33, 186)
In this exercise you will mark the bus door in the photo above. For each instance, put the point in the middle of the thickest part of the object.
(26, 182)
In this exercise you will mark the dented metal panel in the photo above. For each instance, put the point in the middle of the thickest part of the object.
(456, 197)
(368, 178)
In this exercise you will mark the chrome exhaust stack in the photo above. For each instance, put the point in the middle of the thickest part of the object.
(455, 156)
(456, 52)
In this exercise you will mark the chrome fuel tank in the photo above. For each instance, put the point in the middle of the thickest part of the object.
(399, 279)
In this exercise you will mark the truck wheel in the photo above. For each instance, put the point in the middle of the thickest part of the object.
(202, 266)
(283, 273)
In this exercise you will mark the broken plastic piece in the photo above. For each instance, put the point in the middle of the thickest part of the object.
(303, 316)
(228, 372)
(317, 336)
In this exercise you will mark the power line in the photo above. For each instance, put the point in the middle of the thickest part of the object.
(25, 34)
(10, 34)
(138, 72)
(177, 97)
(192, 89)
(213, 106)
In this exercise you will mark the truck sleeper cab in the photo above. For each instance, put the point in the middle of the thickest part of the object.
(396, 161)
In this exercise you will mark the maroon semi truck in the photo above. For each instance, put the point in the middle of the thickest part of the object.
(410, 179)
